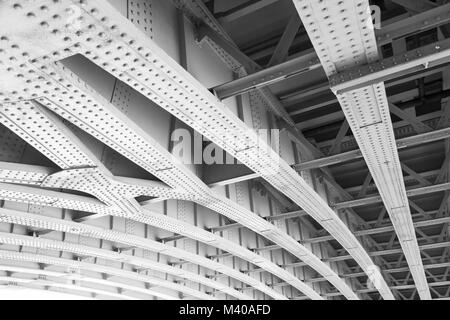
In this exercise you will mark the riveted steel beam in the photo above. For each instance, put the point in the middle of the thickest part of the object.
(377, 253)
(342, 34)
(33, 220)
(280, 72)
(42, 243)
(406, 63)
(308, 62)
(377, 199)
(403, 143)
(360, 233)
(225, 137)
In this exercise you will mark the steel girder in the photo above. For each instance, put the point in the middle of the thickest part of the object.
(379, 230)
(61, 200)
(395, 30)
(73, 182)
(268, 76)
(297, 214)
(390, 271)
(386, 252)
(53, 224)
(75, 288)
(416, 6)
(97, 268)
(342, 34)
(54, 245)
(96, 180)
(309, 61)
(220, 43)
(403, 143)
(16, 277)
(66, 44)
(223, 44)
(379, 198)
(36, 196)
(298, 99)
(385, 229)
(406, 63)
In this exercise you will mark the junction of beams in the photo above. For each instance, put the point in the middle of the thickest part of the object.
(99, 168)
(307, 62)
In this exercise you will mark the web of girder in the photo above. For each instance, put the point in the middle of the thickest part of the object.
(34, 78)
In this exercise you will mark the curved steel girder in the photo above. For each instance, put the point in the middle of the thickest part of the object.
(84, 266)
(47, 223)
(149, 55)
(74, 282)
(88, 174)
(343, 35)
(28, 283)
(54, 245)
(228, 206)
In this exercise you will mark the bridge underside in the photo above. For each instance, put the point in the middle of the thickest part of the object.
(233, 150)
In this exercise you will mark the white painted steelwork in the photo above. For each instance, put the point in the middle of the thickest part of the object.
(75, 281)
(33, 283)
(46, 244)
(94, 179)
(48, 223)
(80, 265)
(64, 93)
(343, 36)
